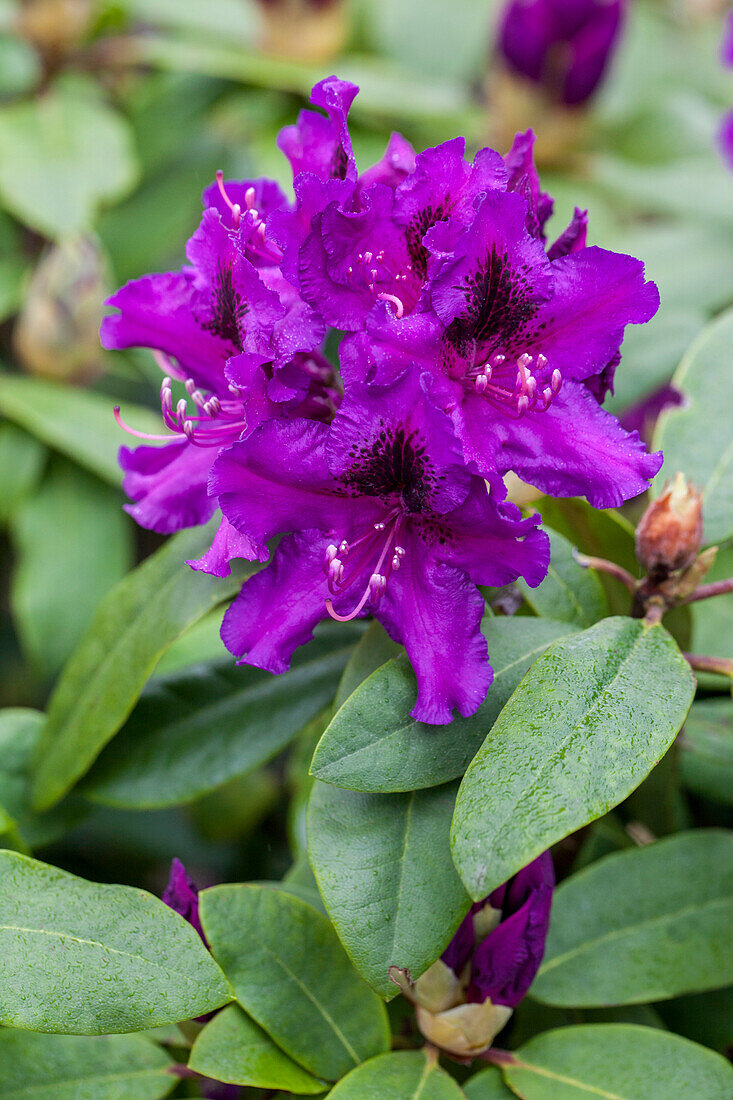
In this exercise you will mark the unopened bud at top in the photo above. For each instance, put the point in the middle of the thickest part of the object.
(669, 534)
(467, 996)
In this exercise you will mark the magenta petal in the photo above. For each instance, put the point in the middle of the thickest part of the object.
(228, 544)
(181, 895)
(168, 485)
(571, 239)
(435, 612)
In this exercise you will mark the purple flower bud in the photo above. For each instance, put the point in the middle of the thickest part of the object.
(563, 45)
(725, 134)
(181, 895)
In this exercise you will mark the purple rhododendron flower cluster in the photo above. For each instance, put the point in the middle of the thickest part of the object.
(562, 45)
(471, 347)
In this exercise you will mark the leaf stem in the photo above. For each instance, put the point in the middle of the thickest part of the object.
(498, 1057)
(610, 567)
(721, 665)
(705, 591)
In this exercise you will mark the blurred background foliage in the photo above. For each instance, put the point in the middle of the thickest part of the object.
(113, 118)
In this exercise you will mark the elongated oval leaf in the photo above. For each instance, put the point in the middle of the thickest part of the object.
(78, 423)
(706, 756)
(79, 1067)
(409, 1075)
(384, 870)
(643, 925)
(696, 436)
(101, 683)
(91, 958)
(232, 1048)
(589, 721)
(290, 973)
(21, 464)
(375, 649)
(487, 1085)
(193, 731)
(569, 593)
(374, 745)
(617, 1062)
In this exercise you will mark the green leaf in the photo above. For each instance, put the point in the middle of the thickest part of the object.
(695, 437)
(374, 745)
(409, 1075)
(194, 731)
(706, 750)
(384, 870)
(589, 721)
(135, 623)
(569, 593)
(61, 155)
(53, 598)
(603, 534)
(290, 973)
(233, 1049)
(91, 959)
(375, 649)
(79, 1067)
(706, 1018)
(617, 1062)
(78, 423)
(643, 925)
(19, 732)
(21, 463)
(487, 1085)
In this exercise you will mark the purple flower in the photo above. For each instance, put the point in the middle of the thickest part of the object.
(181, 895)
(520, 348)
(468, 995)
(725, 134)
(563, 45)
(383, 516)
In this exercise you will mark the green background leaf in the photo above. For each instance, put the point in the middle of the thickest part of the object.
(487, 1085)
(233, 1049)
(585, 726)
(409, 1075)
(290, 973)
(620, 1062)
(384, 870)
(569, 593)
(706, 749)
(136, 622)
(191, 732)
(90, 958)
(642, 925)
(374, 745)
(78, 1067)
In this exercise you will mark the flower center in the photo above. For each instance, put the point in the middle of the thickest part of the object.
(385, 284)
(258, 245)
(516, 386)
(344, 563)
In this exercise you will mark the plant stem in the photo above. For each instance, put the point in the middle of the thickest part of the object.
(721, 665)
(604, 566)
(705, 591)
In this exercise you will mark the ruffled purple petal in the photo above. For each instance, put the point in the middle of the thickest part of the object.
(435, 612)
(396, 164)
(228, 545)
(181, 895)
(523, 178)
(321, 144)
(574, 448)
(168, 485)
(413, 440)
(268, 196)
(493, 543)
(571, 239)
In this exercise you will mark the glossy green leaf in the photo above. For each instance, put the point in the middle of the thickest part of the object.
(589, 721)
(487, 1085)
(409, 1075)
(373, 744)
(92, 959)
(52, 597)
(103, 679)
(21, 463)
(193, 731)
(706, 750)
(80, 1067)
(569, 593)
(78, 423)
(384, 870)
(232, 1048)
(603, 534)
(375, 649)
(696, 437)
(290, 973)
(66, 143)
(706, 1018)
(617, 1062)
(20, 729)
(643, 925)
